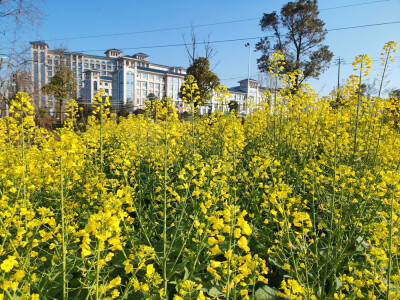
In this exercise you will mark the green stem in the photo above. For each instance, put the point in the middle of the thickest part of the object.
(165, 214)
(383, 73)
(64, 279)
(390, 248)
(358, 111)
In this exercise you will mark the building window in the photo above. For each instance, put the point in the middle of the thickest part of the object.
(151, 77)
(50, 68)
(98, 67)
(92, 66)
(129, 86)
(49, 74)
(138, 92)
(108, 67)
(157, 86)
(171, 81)
(144, 84)
(49, 61)
(138, 83)
(144, 76)
(104, 73)
(157, 77)
(74, 65)
(143, 93)
(151, 85)
(121, 85)
(103, 67)
(106, 83)
(42, 71)
(86, 65)
(176, 81)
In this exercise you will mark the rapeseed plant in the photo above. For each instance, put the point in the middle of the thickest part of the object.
(299, 200)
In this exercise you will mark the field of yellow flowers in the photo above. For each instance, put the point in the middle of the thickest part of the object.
(298, 200)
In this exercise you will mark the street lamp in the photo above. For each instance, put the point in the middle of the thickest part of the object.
(248, 45)
(2, 57)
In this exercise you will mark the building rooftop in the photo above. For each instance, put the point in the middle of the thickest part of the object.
(141, 53)
(237, 89)
(160, 71)
(38, 42)
(249, 80)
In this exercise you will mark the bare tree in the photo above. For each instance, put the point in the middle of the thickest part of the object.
(192, 47)
(16, 16)
(267, 82)
(14, 77)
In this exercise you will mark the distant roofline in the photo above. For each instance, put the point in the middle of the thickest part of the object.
(113, 49)
(38, 42)
(160, 71)
(249, 80)
(116, 58)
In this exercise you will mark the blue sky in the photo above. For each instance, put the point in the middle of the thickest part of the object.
(75, 18)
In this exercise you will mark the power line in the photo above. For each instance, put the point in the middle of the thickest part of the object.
(351, 5)
(363, 26)
(155, 30)
(195, 26)
(237, 39)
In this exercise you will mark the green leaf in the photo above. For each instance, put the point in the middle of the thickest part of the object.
(215, 292)
(266, 293)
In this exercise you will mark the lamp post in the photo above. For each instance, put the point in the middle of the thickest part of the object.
(2, 57)
(248, 45)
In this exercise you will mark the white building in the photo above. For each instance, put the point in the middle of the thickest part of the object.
(239, 94)
(127, 79)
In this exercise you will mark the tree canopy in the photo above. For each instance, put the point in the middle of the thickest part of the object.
(206, 80)
(62, 85)
(298, 33)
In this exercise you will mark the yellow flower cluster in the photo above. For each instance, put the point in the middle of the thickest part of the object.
(299, 200)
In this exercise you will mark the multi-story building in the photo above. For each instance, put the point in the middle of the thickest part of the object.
(248, 89)
(127, 79)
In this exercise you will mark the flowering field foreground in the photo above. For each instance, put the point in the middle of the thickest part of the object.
(301, 202)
